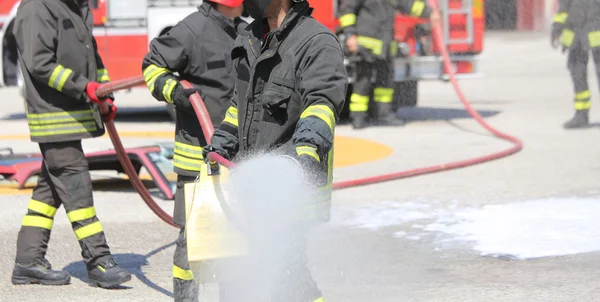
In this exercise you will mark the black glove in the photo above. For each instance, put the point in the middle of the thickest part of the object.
(209, 148)
(557, 29)
(181, 97)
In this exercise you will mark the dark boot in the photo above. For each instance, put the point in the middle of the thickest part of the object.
(108, 274)
(384, 116)
(580, 120)
(39, 273)
(359, 121)
(185, 290)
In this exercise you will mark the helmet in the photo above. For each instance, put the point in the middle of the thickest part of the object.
(230, 3)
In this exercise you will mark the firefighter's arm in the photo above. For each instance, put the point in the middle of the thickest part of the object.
(225, 138)
(102, 73)
(563, 12)
(414, 8)
(36, 33)
(349, 9)
(168, 54)
(323, 84)
(558, 25)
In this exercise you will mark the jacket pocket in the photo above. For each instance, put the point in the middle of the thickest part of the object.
(276, 100)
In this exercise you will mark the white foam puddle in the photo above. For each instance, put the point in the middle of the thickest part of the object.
(525, 230)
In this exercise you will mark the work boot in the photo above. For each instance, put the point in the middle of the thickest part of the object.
(580, 120)
(39, 273)
(384, 116)
(359, 121)
(108, 274)
(185, 290)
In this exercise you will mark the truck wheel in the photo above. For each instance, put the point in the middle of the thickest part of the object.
(172, 112)
(405, 94)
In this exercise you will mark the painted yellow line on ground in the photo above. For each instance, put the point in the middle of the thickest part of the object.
(347, 153)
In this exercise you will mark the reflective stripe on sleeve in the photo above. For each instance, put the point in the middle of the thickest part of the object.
(59, 77)
(308, 150)
(231, 116)
(347, 20)
(417, 8)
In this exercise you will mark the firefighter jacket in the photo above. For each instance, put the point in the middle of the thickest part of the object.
(580, 20)
(373, 21)
(290, 89)
(59, 55)
(199, 49)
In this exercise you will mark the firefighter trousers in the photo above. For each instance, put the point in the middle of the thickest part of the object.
(184, 286)
(578, 66)
(383, 92)
(64, 180)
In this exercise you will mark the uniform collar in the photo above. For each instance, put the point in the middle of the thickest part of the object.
(296, 12)
(227, 24)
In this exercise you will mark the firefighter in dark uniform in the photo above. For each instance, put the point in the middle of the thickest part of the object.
(62, 70)
(578, 22)
(199, 49)
(369, 29)
(290, 89)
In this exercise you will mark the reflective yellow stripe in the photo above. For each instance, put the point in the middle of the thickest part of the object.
(308, 150)
(168, 90)
(151, 73)
(320, 300)
(62, 129)
(347, 20)
(231, 116)
(38, 222)
(359, 103)
(383, 95)
(102, 75)
(81, 214)
(568, 36)
(322, 112)
(393, 48)
(417, 8)
(59, 77)
(42, 208)
(64, 117)
(88, 230)
(594, 38)
(583, 95)
(583, 105)
(188, 150)
(182, 274)
(187, 163)
(375, 45)
(561, 18)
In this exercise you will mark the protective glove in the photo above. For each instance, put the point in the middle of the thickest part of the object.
(181, 97)
(309, 164)
(91, 89)
(557, 29)
(209, 148)
(112, 111)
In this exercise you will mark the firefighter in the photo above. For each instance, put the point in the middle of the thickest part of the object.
(289, 92)
(578, 22)
(199, 49)
(369, 29)
(62, 70)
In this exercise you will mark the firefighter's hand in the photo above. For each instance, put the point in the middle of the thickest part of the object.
(109, 110)
(435, 18)
(181, 97)
(352, 43)
(309, 164)
(91, 89)
(209, 149)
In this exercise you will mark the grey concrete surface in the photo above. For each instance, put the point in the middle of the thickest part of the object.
(526, 92)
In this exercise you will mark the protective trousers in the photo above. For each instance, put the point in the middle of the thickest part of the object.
(578, 66)
(383, 92)
(184, 286)
(65, 180)
(276, 270)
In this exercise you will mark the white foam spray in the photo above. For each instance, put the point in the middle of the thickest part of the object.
(270, 191)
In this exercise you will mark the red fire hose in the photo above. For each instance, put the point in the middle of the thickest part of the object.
(207, 128)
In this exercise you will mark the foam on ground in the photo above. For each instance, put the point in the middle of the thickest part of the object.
(523, 230)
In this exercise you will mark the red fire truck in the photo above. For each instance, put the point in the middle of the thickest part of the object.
(123, 30)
